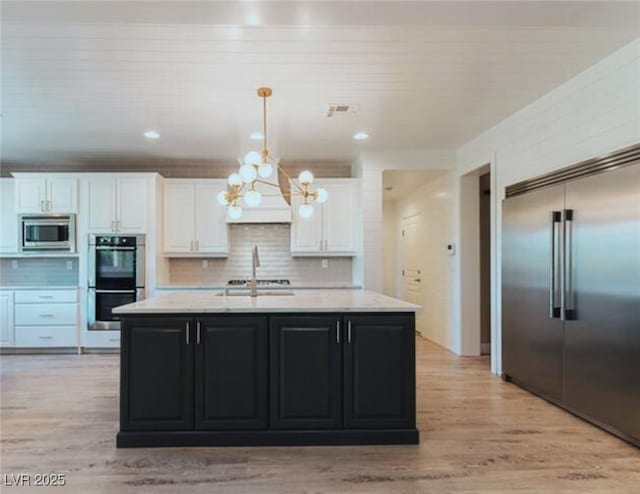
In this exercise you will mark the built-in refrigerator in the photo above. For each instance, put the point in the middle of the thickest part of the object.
(571, 290)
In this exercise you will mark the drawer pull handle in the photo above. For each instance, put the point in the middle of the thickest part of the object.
(46, 315)
(45, 296)
(45, 337)
(114, 339)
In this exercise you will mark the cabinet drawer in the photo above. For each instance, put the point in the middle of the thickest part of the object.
(46, 336)
(46, 314)
(46, 296)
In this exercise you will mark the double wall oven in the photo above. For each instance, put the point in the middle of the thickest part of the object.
(116, 277)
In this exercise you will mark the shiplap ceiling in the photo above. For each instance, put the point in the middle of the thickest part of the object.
(86, 79)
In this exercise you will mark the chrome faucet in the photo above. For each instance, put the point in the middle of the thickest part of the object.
(255, 262)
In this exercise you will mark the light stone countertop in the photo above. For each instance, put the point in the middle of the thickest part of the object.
(331, 300)
(293, 286)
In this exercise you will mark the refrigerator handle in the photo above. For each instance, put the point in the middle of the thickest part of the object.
(554, 268)
(568, 309)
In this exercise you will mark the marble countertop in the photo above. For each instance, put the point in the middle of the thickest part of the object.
(293, 286)
(38, 287)
(331, 300)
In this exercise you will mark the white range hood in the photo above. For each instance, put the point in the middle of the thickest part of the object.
(272, 209)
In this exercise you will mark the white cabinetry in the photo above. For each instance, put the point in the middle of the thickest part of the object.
(6, 318)
(331, 230)
(117, 205)
(8, 217)
(194, 223)
(39, 194)
(46, 318)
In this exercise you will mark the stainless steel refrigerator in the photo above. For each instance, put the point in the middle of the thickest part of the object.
(571, 290)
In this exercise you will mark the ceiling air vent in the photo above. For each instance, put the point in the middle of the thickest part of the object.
(342, 109)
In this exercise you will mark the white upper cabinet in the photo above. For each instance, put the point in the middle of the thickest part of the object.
(8, 217)
(179, 206)
(117, 205)
(194, 222)
(38, 194)
(331, 230)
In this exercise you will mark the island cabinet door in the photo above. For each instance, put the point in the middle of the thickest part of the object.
(379, 371)
(231, 372)
(156, 374)
(305, 370)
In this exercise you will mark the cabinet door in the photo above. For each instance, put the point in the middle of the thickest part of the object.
(30, 194)
(211, 230)
(132, 205)
(339, 217)
(6, 319)
(305, 372)
(8, 217)
(231, 373)
(62, 194)
(306, 233)
(379, 371)
(156, 378)
(179, 204)
(102, 205)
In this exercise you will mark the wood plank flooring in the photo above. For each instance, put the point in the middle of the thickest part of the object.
(478, 434)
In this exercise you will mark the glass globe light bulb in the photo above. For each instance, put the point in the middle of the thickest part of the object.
(248, 173)
(222, 198)
(252, 158)
(234, 180)
(305, 177)
(234, 212)
(252, 198)
(265, 170)
(322, 195)
(305, 210)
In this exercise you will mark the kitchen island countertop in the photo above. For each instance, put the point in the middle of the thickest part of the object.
(330, 300)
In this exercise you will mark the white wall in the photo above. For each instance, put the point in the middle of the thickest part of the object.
(435, 203)
(389, 248)
(596, 112)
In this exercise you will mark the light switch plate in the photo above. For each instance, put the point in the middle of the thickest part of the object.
(451, 249)
(325, 263)
(14, 264)
(205, 264)
(69, 265)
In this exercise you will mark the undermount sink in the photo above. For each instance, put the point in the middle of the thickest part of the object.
(243, 293)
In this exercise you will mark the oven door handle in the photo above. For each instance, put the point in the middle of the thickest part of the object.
(115, 248)
(115, 291)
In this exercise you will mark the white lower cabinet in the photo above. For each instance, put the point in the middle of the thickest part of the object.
(7, 334)
(101, 339)
(46, 318)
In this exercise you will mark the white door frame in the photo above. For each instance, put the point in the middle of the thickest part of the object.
(469, 264)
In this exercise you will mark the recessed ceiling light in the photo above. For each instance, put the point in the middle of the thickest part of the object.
(360, 136)
(256, 136)
(152, 134)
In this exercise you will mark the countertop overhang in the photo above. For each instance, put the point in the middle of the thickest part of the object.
(332, 300)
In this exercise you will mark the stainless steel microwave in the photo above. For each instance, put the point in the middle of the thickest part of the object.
(47, 232)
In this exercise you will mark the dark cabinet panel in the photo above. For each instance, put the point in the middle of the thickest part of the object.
(305, 390)
(231, 372)
(156, 374)
(379, 371)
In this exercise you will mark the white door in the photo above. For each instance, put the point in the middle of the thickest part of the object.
(102, 205)
(8, 217)
(30, 195)
(211, 229)
(6, 319)
(339, 220)
(306, 233)
(179, 208)
(411, 266)
(62, 194)
(132, 205)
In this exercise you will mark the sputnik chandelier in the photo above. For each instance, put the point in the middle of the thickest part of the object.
(257, 167)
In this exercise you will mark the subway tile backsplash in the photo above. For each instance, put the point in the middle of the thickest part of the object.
(39, 271)
(273, 242)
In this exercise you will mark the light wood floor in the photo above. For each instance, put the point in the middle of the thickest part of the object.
(478, 434)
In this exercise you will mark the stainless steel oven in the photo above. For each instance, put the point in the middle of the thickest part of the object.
(43, 232)
(116, 277)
